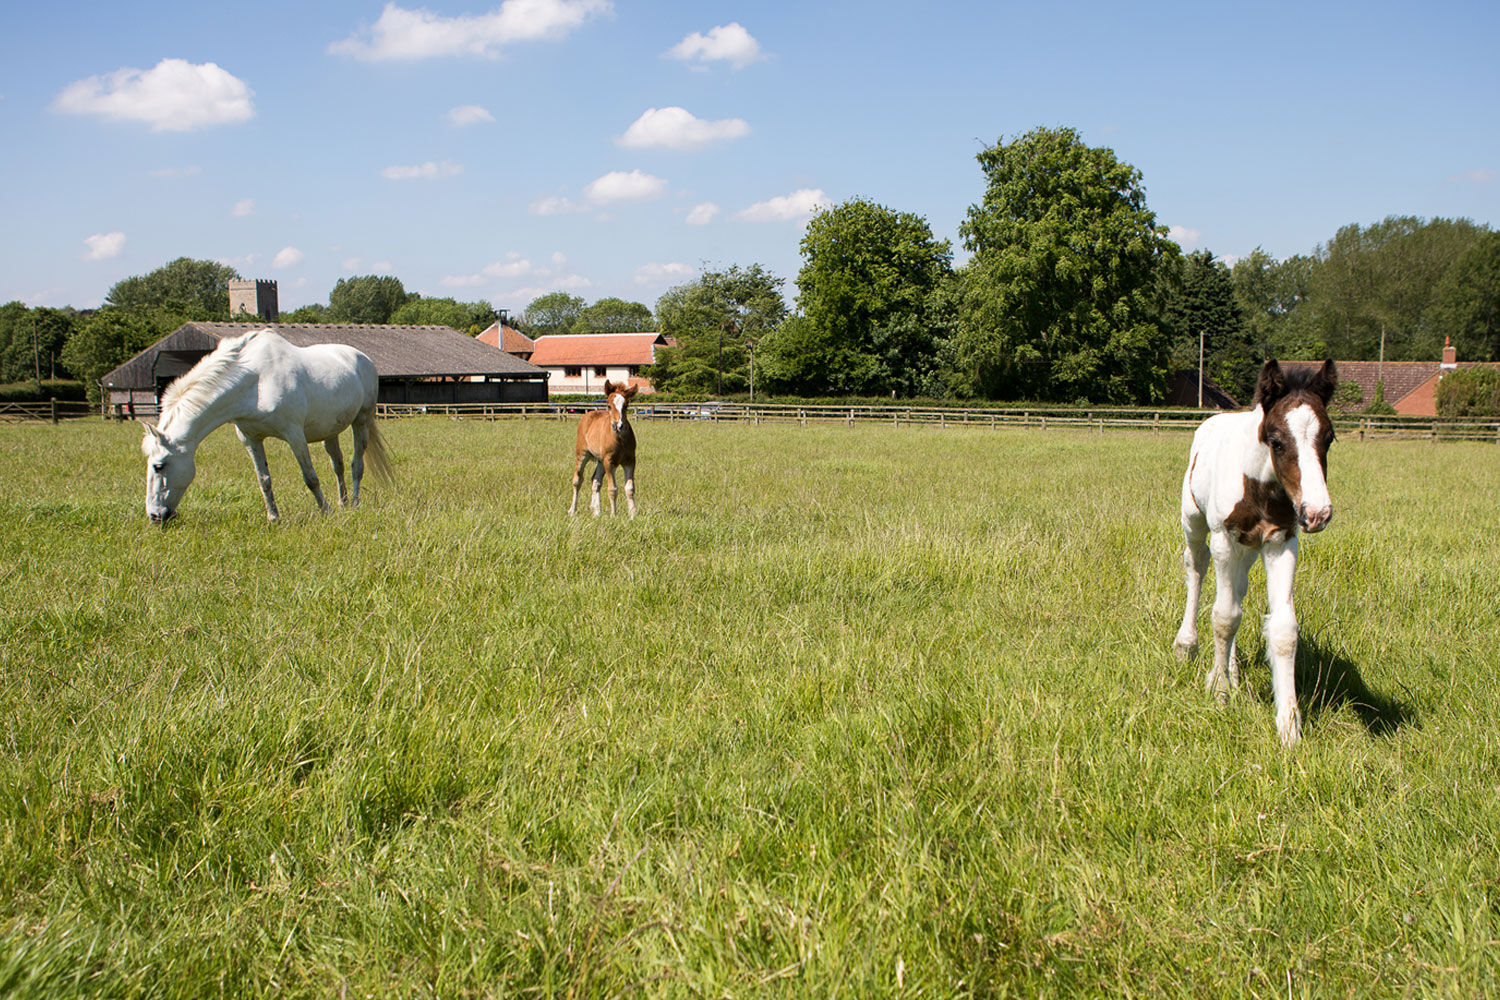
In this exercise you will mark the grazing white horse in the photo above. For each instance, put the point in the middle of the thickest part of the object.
(606, 437)
(1253, 479)
(266, 387)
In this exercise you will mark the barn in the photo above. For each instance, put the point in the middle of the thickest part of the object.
(419, 365)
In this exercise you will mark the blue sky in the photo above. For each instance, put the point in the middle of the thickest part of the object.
(615, 148)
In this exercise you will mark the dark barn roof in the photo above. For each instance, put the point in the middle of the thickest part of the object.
(1182, 390)
(399, 352)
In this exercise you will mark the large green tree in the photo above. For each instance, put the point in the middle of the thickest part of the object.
(713, 320)
(198, 289)
(109, 337)
(865, 284)
(614, 315)
(553, 313)
(370, 298)
(1466, 303)
(466, 317)
(1061, 299)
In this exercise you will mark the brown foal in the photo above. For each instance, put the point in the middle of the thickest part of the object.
(606, 437)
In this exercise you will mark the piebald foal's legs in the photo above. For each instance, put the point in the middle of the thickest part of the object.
(577, 482)
(1281, 637)
(257, 449)
(598, 481)
(630, 488)
(614, 487)
(336, 456)
(1232, 579)
(1194, 565)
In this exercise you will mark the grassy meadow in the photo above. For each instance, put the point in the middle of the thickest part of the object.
(854, 712)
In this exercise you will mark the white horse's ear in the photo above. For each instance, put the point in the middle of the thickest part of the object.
(151, 430)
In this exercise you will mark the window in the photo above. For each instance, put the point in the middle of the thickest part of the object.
(572, 371)
(599, 371)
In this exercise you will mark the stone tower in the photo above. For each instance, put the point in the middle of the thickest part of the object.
(257, 298)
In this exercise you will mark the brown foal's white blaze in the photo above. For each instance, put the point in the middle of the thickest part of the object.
(606, 437)
(1254, 478)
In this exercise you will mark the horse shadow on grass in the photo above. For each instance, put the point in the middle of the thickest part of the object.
(1327, 681)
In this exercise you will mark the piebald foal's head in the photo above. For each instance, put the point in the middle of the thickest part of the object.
(1295, 427)
(617, 397)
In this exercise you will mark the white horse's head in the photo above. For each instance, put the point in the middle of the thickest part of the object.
(170, 469)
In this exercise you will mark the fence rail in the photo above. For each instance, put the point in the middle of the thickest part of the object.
(1097, 420)
(52, 411)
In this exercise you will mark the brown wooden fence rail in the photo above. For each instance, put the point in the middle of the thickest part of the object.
(52, 411)
(1355, 426)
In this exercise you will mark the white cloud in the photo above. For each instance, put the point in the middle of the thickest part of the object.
(1184, 237)
(676, 128)
(287, 257)
(702, 214)
(103, 246)
(176, 173)
(1472, 177)
(514, 266)
(174, 96)
(556, 206)
(618, 186)
(238, 263)
(351, 263)
(242, 208)
(730, 43)
(469, 114)
(799, 206)
(428, 171)
(421, 34)
(653, 273)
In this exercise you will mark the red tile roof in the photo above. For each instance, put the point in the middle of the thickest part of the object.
(596, 349)
(1410, 386)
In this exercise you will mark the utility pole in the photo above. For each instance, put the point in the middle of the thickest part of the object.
(750, 347)
(1200, 369)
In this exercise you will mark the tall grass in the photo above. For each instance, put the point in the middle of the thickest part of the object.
(845, 711)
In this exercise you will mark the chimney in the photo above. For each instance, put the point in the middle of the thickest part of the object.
(1450, 354)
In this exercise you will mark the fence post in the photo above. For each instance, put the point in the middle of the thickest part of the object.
(1044, 421)
(1156, 424)
(53, 401)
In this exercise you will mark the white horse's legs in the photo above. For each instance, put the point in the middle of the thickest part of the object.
(1281, 637)
(298, 444)
(361, 442)
(630, 489)
(1194, 565)
(1232, 573)
(336, 456)
(257, 449)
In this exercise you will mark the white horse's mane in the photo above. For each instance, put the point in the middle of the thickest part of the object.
(204, 382)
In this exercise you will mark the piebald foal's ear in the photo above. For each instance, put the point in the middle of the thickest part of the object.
(1271, 385)
(609, 387)
(629, 392)
(1325, 382)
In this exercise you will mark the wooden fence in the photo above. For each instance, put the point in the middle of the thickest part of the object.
(51, 410)
(1358, 426)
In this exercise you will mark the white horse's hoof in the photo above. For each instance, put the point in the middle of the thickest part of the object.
(1290, 729)
(1185, 649)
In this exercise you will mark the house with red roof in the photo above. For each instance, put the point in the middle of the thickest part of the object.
(581, 363)
(508, 339)
(1410, 386)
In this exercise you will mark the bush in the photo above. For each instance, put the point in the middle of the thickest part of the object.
(1469, 392)
(62, 390)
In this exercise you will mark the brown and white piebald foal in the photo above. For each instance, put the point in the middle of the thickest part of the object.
(1253, 479)
(606, 437)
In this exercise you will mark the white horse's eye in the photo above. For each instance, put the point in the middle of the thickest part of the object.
(160, 467)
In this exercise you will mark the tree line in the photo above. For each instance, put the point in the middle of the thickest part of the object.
(1071, 292)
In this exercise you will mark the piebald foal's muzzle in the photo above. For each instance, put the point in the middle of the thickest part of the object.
(1314, 518)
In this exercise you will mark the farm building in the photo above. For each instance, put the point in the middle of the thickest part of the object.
(508, 339)
(580, 363)
(1182, 390)
(1410, 386)
(418, 365)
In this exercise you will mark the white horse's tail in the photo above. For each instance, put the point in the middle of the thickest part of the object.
(376, 457)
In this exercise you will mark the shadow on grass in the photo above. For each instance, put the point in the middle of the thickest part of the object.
(1327, 680)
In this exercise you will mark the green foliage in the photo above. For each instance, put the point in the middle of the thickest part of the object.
(1061, 298)
(31, 341)
(1469, 392)
(466, 317)
(62, 390)
(865, 285)
(108, 338)
(613, 315)
(1378, 406)
(315, 313)
(370, 298)
(1202, 300)
(198, 289)
(553, 313)
(833, 716)
(1466, 303)
(712, 320)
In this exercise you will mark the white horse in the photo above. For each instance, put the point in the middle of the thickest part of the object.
(1253, 479)
(266, 387)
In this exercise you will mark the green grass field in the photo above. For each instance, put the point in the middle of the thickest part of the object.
(845, 712)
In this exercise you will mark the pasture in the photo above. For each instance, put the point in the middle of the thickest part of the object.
(856, 712)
